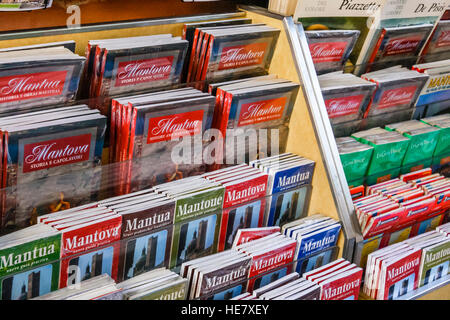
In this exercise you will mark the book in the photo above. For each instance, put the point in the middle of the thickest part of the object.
(346, 96)
(132, 65)
(236, 219)
(249, 234)
(81, 267)
(399, 43)
(286, 172)
(42, 149)
(144, 253)
(158, 284)
(397, 89)
(38, 77)
(101, 287)
(147, 129)
(330, 49)
(30, 284)
(231, 52)
(29, 248)
(268, 257)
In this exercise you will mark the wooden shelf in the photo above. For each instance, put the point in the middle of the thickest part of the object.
(101, 11)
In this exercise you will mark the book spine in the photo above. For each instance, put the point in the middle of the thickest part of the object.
(192, 56)
(206, 61)
(112, 131)
(375, 50)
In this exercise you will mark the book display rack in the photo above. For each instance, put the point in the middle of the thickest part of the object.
(109, 198)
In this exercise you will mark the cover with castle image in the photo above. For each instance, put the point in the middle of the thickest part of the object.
(194, 239)
(145, 253)
(288, 206)
(250, 215)
(400, 276)
(30, 284)
(228, 293)
(271, 277)
(317, 260)
(88, 265)
(435, 262)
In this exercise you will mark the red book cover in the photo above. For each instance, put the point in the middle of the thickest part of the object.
(247, 235)
(87, 265)
(245, 191)
(377, 47)
(132, 133)
(417, 210)
(270, 260)
(95, 71)
(99, 80)
(201, 52)
(400, 277)
(443, 200)
(383, 223)
(86, 238)
(249, 215)
(342, 287)
(416, 175)
(357, 192)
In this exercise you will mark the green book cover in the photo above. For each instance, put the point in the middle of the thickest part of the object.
(443, 144)
(356, 163)
(31, 283)
(435, 263)
(421, 146)
(175, 291)
(197, 204)
(194, 239)
(386, 156)
(29, 255)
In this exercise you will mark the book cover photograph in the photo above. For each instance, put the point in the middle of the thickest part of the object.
(88, 265)
(30, 284)
(397, 88)
(435, 262)
(287, 206)
(145, 253)
(194, 239)
(246, 216)
(229, 293)
(270, 277)
(317, 260)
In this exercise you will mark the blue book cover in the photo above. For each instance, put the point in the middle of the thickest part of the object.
(291, 178)
(318, 240)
